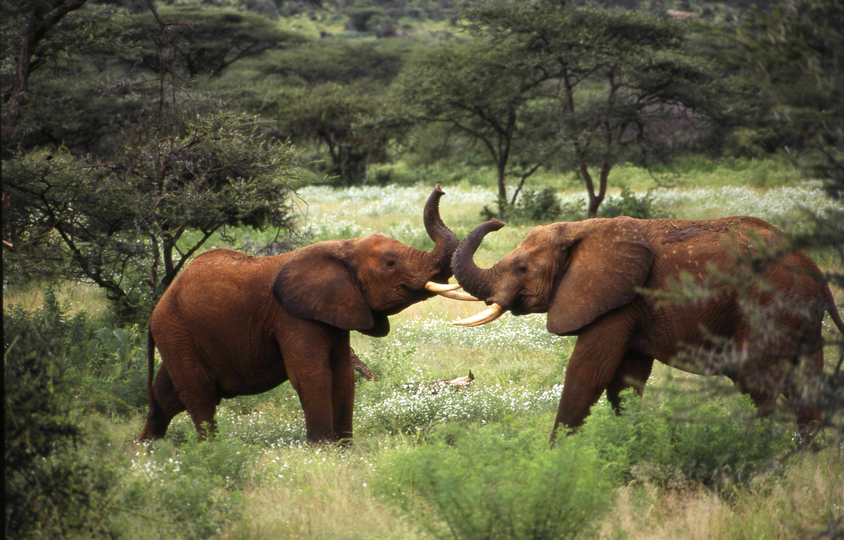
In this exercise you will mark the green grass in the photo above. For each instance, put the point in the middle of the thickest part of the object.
(689, 460)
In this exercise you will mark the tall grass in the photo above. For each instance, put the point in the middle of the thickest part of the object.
(688, 460)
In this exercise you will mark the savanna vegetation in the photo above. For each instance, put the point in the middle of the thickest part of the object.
(139, 134)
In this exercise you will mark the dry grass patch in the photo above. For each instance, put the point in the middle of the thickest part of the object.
(802, 500)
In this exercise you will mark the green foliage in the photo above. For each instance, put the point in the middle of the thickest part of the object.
(343, 119)
(691, 440)
(335, 61)
(121, 224)
(52, 487)
(631, 205)
(216, 39)
(360, 18)
(542, 206)
(531, 207)
(798, 53)
(498, 483)
(108, 364)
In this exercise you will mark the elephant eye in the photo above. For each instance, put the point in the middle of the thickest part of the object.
(522, 269)
(390, 263)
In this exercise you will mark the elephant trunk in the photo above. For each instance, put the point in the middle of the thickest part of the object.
(445, 241)
(474, 280)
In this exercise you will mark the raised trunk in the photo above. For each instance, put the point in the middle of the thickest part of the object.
(474, 280)
(445, 241)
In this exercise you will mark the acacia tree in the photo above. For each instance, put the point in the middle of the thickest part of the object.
(481, 90)
(568, 85)
(626, 88)
(131, 220)
(342, 119)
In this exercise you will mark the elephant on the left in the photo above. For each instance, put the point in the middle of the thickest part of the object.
(232, 324)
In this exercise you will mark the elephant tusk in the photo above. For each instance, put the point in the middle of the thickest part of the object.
(487, 316)
(459, 295)
(441, 288)
(449, 291)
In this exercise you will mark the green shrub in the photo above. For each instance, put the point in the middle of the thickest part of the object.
(496, 483)
(106, 364)
(542, 207)
(538, 206)
(191, 490)
(631, 205)
(691, 440)
(52, 488)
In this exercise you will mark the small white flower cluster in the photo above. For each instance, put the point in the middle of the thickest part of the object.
(783, 206)
(507, 333)
(409, 410)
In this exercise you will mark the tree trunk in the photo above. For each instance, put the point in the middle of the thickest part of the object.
(595, 199)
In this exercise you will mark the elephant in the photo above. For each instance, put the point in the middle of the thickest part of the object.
(606, 280)
(231, 324)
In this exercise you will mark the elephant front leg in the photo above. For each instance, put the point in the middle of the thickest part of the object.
(343, 390)
(314, 389)
(592, 367)
(320, 370)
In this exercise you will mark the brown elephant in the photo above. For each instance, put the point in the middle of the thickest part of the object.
(600, 280)
(232, 324)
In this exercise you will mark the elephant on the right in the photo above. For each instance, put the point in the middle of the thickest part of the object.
(601, 279)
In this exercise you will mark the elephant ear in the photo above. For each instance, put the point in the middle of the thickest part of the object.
(607, 260)
(316, 284)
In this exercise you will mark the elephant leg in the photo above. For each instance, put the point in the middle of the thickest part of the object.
(201, 404)
(197, 390)
(164, 405)
(633, 372)
(342, 389)
(308, 364)
(596, 358)
(314, 389)
(802, 389)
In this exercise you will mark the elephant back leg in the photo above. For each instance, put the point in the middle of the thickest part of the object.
(633, 372)
(194, 385)
(805, 384)
(164, 405)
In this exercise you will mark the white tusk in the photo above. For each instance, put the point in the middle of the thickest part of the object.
(487, 316)
(440, 288)
(449, 291)
(459, 295)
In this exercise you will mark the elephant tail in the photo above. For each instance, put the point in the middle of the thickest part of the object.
(833, 310)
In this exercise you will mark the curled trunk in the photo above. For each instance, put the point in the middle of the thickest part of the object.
(474, 280)
(445, 241)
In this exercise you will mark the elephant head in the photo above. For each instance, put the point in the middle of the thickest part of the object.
(356, 284)
(575, 272)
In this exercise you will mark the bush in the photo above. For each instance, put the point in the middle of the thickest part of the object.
(532, 207)
(497, 483)
(107, 365)
(691, 440)
(631, 205)
(52, 489)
